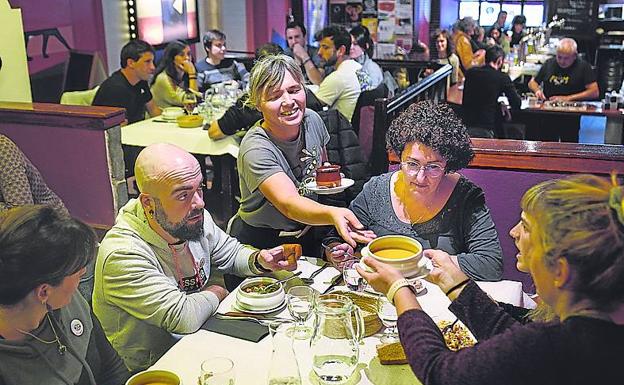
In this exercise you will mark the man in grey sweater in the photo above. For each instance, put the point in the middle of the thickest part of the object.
(153, 266)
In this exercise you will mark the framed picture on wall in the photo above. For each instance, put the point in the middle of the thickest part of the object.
(161, 21)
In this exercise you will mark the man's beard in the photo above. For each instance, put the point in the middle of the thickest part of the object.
(182, 230)
(331, 62)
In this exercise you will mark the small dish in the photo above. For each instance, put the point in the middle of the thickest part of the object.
(190, 121)
(171, 113)
(260, 301)
(346, 183)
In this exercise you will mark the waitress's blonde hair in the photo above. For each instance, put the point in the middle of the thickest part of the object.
(267, 74)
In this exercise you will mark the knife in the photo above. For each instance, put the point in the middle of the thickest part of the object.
(333, 283)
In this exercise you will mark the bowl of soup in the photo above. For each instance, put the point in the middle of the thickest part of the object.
(401, 252)
(154, 377)
(259, 294)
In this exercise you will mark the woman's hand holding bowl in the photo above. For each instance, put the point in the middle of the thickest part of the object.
(382, 276)
(446, 274)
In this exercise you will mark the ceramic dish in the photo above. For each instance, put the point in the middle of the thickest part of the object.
(345, 184)
(401, 252)
(260, 301)
(190, 121)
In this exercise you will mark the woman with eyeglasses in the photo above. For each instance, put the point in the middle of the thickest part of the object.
(427, 199)
(570, 239)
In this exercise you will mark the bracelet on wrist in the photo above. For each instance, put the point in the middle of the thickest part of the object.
(306, 60)
(396, 285)
(462, 283)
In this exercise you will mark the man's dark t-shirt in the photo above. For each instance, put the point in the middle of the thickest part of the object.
(564, 81)
(482, 87)
(116, 91)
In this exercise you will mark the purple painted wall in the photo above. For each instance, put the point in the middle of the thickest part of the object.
(80, 23)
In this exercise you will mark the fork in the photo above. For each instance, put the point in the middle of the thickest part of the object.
(449, 327)
(310, 280)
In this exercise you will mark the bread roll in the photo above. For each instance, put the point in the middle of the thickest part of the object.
(292, 252)
(391, 354)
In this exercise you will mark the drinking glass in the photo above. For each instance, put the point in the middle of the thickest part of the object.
(189, 100)
(388, 315)
(217, 371)
(352, 278)
(300, 300)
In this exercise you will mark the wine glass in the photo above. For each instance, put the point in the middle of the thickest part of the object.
(217, 371)
(300, 300)
(352, 278)
(189, 100)
(388, 315)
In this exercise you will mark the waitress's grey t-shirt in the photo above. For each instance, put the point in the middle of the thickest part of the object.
(261, 156)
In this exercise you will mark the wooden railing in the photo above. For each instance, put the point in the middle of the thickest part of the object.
(77, 150)
(433, 87)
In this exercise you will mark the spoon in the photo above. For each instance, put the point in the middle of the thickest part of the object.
(283, 280)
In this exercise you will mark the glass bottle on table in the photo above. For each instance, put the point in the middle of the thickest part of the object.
(284, 369)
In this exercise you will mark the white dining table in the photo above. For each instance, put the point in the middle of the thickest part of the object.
(251, 360)
(195, 141)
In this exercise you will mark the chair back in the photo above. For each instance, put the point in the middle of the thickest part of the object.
(363, 120)
(79, 98)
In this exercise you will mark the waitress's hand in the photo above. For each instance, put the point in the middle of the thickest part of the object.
(446, 272)
(338, 253)
(382, 277)
(348, 226)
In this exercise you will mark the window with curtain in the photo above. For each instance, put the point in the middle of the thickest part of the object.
(485, 12)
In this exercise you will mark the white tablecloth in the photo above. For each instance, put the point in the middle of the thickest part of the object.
(251, 360)
(193, 140)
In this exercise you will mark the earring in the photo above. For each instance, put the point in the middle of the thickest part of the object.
(151, 213)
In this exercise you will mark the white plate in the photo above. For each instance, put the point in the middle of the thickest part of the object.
(345, 184)
(239, 307)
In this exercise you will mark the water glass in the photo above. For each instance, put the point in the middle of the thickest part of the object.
(388, 315)
(300, 300)
(352, 278)
(217, 371)
(189, 100)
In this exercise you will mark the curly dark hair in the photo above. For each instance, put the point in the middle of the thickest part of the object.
(436, 126)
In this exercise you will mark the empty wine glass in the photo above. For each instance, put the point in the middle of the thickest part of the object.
(217, 371)
(352, 278)
(300, 300)
(189, 100)
(388, 315)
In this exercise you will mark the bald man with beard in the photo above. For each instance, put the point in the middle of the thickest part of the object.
(153, 266)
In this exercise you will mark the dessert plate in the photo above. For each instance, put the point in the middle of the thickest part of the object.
(345, 184)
